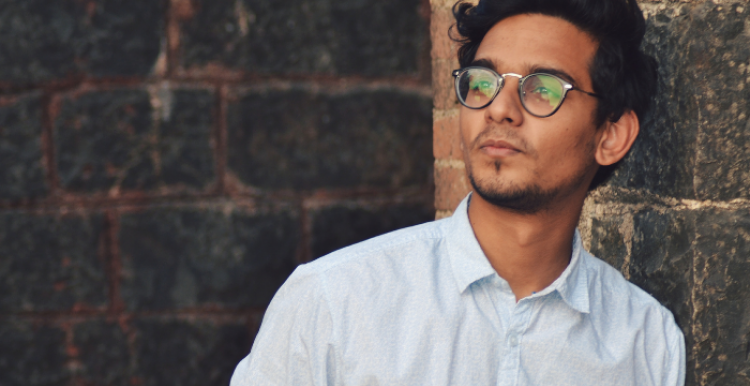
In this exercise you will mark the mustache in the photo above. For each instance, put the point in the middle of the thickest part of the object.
(497, 133)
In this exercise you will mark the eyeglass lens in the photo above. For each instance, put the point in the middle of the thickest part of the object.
(541, 94)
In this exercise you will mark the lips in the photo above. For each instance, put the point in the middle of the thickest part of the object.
(495, 148)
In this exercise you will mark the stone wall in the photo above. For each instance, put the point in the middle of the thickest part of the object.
(675, 218)
(164, 165)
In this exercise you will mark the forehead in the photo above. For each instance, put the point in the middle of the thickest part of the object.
(522, 43)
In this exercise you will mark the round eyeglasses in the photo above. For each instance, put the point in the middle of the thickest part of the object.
(541, 94)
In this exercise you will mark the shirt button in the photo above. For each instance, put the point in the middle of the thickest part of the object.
(514, 340)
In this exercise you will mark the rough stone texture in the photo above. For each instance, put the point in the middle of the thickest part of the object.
(102, 349)
(339, 226)
(368, 37)
(177, 258)
(188, 353)
(609, 241)
(51, 263)
(722, 310)
(110, 140)
(650, 165)
(43, 41)
(21, 171)
(298, 139)
(31, 356)
(720, 63)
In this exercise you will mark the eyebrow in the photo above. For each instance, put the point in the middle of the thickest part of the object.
(532, 70)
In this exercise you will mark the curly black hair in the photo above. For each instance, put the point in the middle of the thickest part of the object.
(621, 73)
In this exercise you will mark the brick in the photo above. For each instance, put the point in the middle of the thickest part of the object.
(188, 353)
(367, 37)
(609, 241)
(51, 263)
(722, 308)
(21, 170)
(32, 356)
(339, 226)
(443, 46)
(662, 158)
(443, 94)
(299, 139)
(71, 38)
(103, 353)
(446, 138)
(178, 258)
(185, 140)
(451, 186)
(108, 140)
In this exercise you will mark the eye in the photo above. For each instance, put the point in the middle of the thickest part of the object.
(484, 86)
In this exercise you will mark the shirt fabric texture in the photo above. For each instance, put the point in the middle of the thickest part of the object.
(423, 306)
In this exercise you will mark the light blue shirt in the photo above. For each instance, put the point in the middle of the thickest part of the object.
(423, 306)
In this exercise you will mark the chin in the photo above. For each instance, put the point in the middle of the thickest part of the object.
(527, 199)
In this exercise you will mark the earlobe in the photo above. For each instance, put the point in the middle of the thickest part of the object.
(617, 138)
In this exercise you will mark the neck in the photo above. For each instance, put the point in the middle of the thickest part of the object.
(529, 251)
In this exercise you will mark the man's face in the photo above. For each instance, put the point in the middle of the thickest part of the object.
(517, 160)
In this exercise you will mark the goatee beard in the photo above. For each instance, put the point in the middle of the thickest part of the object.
(529, 200)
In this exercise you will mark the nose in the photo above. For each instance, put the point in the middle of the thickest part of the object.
(507, 107)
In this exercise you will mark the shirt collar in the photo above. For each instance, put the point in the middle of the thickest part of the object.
(470, 264)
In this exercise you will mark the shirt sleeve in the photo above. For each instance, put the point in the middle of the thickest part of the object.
(294, 343)
(675, 374)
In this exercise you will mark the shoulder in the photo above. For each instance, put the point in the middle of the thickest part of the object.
(623, 304)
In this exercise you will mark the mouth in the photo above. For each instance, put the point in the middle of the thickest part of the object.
(494, 148)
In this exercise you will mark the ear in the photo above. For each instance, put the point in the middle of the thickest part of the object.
(617, 138)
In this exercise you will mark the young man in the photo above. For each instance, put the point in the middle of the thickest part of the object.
(502, 293)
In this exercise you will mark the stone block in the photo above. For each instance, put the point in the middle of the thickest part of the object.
(364, 37)
(183, 257)
(339, 226)
(300, 139)
(720, 62)
(722, 308)
(51, 263)
(609, 239)
(102, 350)
(21, 170)
(443, 47)
(662, 260)
(662, 158)
(451, 186)
(32, 356)
(109, 140)
(64, 38)
(188, 353)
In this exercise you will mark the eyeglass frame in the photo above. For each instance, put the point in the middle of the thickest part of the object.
(567, 86)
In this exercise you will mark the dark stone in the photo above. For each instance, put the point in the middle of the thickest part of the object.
(720, 72)
(339, 226)
(368, 37)
(608, 242)
(32, 356)
(183, 353)
(662, 158)
(21, 170)
(43, 41)
(103, 353)
(175, 258)
(109, 140)
(662, 265)
(185, 151)
(297, 139)
(51, 263)
(722, 307)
